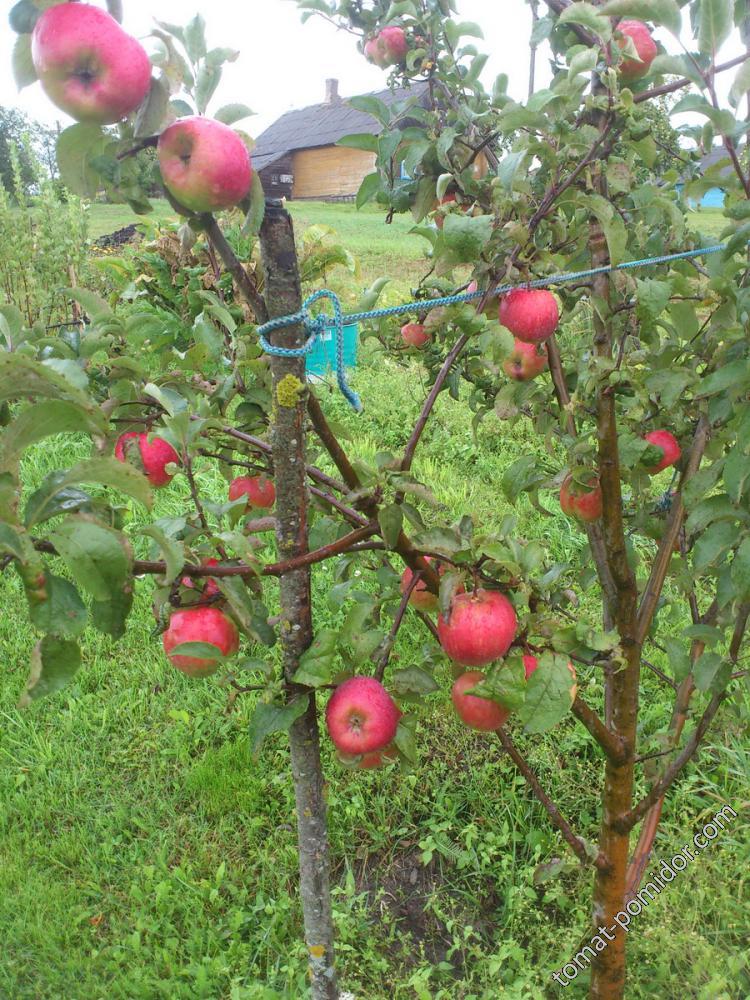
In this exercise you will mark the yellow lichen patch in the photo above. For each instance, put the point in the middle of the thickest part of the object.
(288, 391)
(317, 950)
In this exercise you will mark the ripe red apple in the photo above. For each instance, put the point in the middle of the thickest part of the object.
(478, 713)
(531, 663)
(361, 716)
(387, 48)
(645, 46)
(526, 362)
(670, 447)
(204, 164)
(415, 335)
(260, 491)
(204, 624)
(155, 455)
(579, 502)
(207, 585)
(88, 66)
(480, 629)
(531, 314)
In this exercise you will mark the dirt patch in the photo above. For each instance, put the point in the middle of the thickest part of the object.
(402, 893)
(120, 238)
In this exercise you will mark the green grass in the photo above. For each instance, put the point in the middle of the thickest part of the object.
(145, 854)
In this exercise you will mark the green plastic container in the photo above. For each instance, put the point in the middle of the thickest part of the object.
(321, 360)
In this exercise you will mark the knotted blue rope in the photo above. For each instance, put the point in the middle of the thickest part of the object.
(316, 326)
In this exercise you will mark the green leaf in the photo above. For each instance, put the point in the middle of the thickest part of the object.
(23, 378)
(741, 570)
(360, 140)
(251, 614)
(44, 420)
(612, 225)
(391, 520)
(11, 542)
(195, 38)
(506, 683)
(24, 72)
(736, 473)
(63, 613)
(548, 694)
(523, 475)
(735, 375)
(316, 665)
(406, 739)
(172, 550)
(257, 212)
(271, 718)
(97, 557)
(368, 189)
(54, 663)
(23, 16)
(412, 681)
(585, 14)
(712, 546)
(709, 671)
(208, 80)
(230, 114)
(664, 12)
(152, 113)
(371, 106)
(467, 236)
(106, 471)
(714, 25)
(77, 147)
(740, 85)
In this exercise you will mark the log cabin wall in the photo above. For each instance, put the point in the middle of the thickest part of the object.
(276, 177)
(330, 172)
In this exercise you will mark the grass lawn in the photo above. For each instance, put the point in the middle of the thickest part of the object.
(146, 855)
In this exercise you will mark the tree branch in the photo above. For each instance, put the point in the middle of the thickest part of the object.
(387, 646)
(610, 743)
(575, 843)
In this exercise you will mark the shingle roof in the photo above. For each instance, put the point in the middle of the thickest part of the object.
(323, 125)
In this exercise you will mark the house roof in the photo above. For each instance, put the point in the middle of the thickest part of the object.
(323, 125)
(716, 155)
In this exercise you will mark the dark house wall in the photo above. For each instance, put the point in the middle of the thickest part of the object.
(278, 177)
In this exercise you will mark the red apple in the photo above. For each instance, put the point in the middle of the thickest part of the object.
(415, 335)
(669, 445)
(480, 629)
(361, 716)
(478, 713)
(205, 624)
(449, 199)
(153, 454)
(88, 66)
(526, 362)
(531, 315)
(585, 504)
(207, 585)
(260, 491)
(204, 164)
(645, 46)
(531, 663)
(387, 48)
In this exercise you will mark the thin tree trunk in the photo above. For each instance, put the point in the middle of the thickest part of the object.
(622, 685)
(533, 47)
(283, 296)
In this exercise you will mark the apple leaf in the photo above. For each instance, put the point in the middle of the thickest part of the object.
(54, 663)
(95, 556)
(24, 72)
(711, 672)
(48, 501)
(412, 681)
(271, 718)
(230, 114)
(172, 550)
(391, 520)
(43, 420)
(664, 12)
(506, 684)
(257, 211)
(153, 111)
(77, 148)
(406, 739)
(548, 694)
(23, 16)
(741, 570)
(251, 614)
(587, 16)
(63, 613)
(107, 471)
(316, 665)
(11, 542)
(465, 236)
(522, 476)
(23, 378)
(714, 25)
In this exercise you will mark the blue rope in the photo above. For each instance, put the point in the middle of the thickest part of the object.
(316, 326)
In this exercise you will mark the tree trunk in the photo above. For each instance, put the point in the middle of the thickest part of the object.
(622, 684)
(283, 296)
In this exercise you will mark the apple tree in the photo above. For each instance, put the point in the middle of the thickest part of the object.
(517, 192)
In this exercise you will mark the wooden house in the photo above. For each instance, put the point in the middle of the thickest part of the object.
(297, 157)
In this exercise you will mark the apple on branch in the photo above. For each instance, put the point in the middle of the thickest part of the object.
(204, 625)
(480, 628)
(525, 362)
(415, 335)
(645, 46)
(531, 314)
(387, 48)
(668, 445)
(582, 502)
(259, 491)
(204, 164)
(361, 716)
(207, 586)
(88, 66)
(478, 713)
(151, 454)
